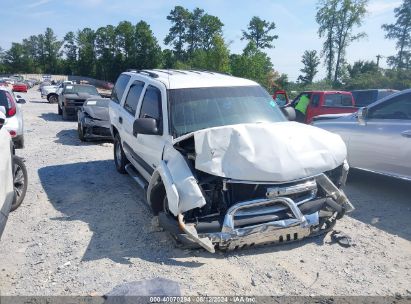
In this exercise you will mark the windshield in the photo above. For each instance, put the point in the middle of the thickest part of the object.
(70, 89)
(194, 109)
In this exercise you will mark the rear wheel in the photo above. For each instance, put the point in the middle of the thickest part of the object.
(20, 182)
(119, 157)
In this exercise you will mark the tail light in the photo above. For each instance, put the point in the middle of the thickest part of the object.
(12, 109)
(12, 133)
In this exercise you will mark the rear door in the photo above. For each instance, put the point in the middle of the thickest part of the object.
(128, 116)
(383, 144)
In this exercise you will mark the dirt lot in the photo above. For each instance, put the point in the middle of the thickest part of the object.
(83, 229)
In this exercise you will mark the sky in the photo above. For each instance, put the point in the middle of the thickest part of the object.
(294, 19)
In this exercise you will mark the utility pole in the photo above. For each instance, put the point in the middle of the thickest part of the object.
(378, 60)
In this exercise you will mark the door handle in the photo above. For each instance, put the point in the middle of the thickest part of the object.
(406, 133)
(120, 119)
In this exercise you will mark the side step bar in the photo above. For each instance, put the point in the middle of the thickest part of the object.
(136, 176)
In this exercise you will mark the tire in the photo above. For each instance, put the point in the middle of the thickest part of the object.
(80, 130)
(59, 111)
(53, 99)
(65, 115)
(120, 158)
(20, 182)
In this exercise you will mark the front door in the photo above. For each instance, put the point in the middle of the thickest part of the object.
(383, 143)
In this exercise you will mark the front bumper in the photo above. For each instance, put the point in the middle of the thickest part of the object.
(94, 128)
(295, 226)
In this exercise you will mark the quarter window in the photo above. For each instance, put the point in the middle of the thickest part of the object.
(119, 88)
(133, 96)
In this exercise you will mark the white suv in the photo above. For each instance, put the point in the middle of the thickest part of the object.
(221, 164)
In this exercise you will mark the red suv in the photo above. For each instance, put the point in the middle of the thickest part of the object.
(326, 102)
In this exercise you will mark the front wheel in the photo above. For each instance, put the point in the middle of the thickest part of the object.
(119, 157)
(80, 130)
(53, 99)
(20, 181)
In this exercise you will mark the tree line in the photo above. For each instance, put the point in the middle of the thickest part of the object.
(196, 41)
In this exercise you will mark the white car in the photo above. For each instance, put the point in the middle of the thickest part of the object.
(49, 92)
(13, 176)
(221, 165)
(6, 175)
(10, 105)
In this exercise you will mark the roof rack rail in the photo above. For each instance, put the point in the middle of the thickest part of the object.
(149, 73)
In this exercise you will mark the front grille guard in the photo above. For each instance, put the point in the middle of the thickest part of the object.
(295, 228)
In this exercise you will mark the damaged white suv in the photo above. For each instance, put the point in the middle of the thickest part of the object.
(221, 164)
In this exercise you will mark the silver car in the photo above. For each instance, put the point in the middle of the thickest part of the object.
(10, 105)
(378, 137)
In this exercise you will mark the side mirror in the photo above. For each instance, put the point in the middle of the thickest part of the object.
(147, 126)
(289, 112)
(362, 115)
(18, 96)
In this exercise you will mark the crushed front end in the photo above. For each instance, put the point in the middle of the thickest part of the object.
(241, 213)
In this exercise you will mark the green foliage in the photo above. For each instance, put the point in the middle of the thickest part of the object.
(362, 67)
(388, 79)
(401, 32)
(337, 20)
(192, 31)
(259, 33)
(310, 69)
(253, 64)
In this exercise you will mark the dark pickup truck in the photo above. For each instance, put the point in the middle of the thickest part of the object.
(72, 98)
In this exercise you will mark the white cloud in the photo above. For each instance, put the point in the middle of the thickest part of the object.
(37, 3)
(379, 7)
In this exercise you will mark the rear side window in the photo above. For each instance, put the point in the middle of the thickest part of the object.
(119, 88)
(133, 96)
(151, 106)
(338, 100)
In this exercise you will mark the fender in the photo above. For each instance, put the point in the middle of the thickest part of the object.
(182, 189)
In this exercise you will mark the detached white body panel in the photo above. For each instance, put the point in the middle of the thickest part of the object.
(267, 152)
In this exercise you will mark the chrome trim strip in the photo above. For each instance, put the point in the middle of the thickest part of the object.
(236, 181)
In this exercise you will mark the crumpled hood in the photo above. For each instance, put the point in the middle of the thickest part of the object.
(98, 112)
(267, 152)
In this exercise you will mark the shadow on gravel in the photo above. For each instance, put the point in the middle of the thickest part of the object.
(381, 201)
(51, 116)
(113, 208)
(70, 138)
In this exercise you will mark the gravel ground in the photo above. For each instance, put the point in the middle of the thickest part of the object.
(84, 229)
